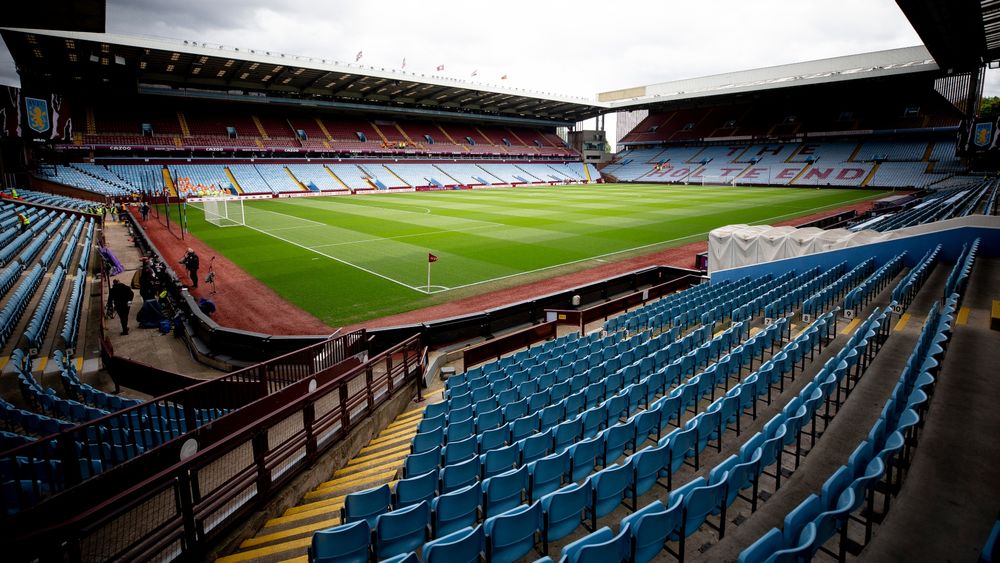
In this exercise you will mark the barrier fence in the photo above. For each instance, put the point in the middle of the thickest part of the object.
(216, 474)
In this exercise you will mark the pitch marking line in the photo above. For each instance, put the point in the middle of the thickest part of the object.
(342, 261)
(470, 229)
(428, 292)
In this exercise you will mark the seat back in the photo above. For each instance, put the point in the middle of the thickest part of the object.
(511, 535)
(548, 474)
(347, 543)
(504, 491)
(459, 475)
(611, 485)
(367, 505)
(464, 546)
(456, 510)
(583, 457)
(413, 490)
(402, 531)
(650, 527)
(600, 547)
(563, 510)
(499, 460)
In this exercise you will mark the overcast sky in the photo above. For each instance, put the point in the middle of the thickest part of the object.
(577, 47)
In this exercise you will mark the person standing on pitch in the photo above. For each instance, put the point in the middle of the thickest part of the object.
(191, 262)
(121, 297)
(144, 209)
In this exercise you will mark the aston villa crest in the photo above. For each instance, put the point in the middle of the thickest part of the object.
(38, 114)
(983, 134)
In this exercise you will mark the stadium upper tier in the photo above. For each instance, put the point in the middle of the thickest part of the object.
(841, 163)
(211, 127)
(244, 178)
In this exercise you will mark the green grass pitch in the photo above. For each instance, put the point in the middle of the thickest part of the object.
(350, 259)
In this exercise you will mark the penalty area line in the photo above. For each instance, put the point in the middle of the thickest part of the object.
(342, 261)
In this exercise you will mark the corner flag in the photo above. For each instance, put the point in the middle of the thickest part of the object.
(431, 258)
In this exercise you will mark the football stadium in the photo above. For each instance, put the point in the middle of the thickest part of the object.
(259, 306)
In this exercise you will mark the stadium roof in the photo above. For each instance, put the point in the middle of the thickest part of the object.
(159, 65)
(879, 64)
(961, 35)
(194, 64)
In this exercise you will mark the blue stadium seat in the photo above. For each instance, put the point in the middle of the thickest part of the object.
(601, 546)
(511, 535)
(548, 474)
(347, 543)
(651, 526)
(366, 505)
(459, 475)
(456, 510)
(505, 491)
(402, 531)
(565, 509)
(500, 460)
(463, 546)
(415, 490)
(611, 486)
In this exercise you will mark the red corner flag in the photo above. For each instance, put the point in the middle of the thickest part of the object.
(431, 258)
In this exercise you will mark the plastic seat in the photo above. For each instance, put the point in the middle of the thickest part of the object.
(565, 509)
(456, 510)
(366, 505)
(463, 546)
(459, 450)
(403, 530)
(548, 474)
(413, 490)
(511, 535)
(435, 409)
(460, 430)
(347, 543)
(426, 441)
(762, 549)
(459, 475)
(500, 460)
(611, 486)
(489, 420)
(583, 457)
(680, 442)
(601, 546)
(650, 527)
(536, 446)
(493, 439)
(524, 427)
(428, 424)
(551, 416)
(700, 500)
(618, 438)
(566, 434)
(594, 420)
(505, 491)
(513, 411)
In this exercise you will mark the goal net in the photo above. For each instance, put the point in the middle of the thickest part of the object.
(223, 212)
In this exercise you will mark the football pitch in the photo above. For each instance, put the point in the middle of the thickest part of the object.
(350, 259)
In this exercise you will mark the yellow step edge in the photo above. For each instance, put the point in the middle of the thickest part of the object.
(367, 459)
(333, 509)
(362, 482)
(405, 419)
(396, 431)
(849, 327)
(338, 500)
(291, 532)
(303, 559)
(393, 459)
(903, 320)
(397, 426)
(388, 442)
(301, 543)
(963, 316)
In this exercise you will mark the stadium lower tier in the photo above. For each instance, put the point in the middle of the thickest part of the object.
(247, 178)
(686, 427)
(900, 164)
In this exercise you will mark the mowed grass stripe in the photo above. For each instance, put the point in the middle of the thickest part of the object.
(509, 232)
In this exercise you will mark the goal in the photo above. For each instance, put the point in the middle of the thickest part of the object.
(223, 211)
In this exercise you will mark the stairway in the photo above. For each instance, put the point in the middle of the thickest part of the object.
(380, 462)
(232, 179)
(260, 128)
(184, 124)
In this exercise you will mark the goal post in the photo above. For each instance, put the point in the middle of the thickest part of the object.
(223, 211)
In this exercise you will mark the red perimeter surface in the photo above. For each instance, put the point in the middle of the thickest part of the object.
(245, 303)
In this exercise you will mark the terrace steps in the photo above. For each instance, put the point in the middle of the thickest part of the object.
(296, 180)
(871, 174)
(232, 179)
(289, 535)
